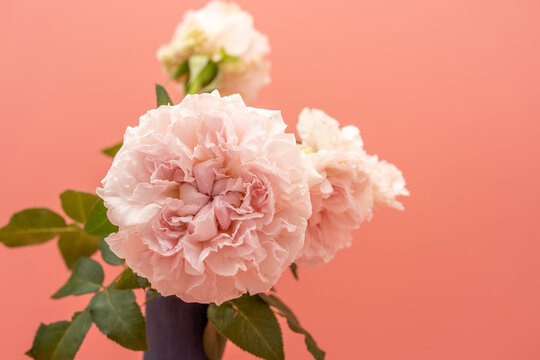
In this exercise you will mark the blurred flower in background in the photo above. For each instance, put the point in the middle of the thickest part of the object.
(217, 47)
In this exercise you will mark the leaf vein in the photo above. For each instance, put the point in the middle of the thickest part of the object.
(257, 331)
(126, 325)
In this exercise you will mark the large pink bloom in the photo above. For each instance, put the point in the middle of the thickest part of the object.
(351, 184)
(211, 198)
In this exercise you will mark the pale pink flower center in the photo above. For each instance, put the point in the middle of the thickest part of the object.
(205, 202)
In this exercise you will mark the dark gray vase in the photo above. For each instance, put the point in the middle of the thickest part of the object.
(175, 329)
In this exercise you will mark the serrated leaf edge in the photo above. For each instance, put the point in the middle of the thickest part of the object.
(67, 329)
(118, 315)
(240, 346)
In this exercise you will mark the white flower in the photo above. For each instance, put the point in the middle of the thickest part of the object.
(222, 27)
(352, 183)
(388, 183)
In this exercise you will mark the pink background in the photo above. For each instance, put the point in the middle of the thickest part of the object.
(447, 90)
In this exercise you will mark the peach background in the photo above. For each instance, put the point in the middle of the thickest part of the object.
(447, 90)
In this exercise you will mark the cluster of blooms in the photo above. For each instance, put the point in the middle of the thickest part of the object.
(213, 199)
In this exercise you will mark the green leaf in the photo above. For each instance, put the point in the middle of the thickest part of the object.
(250, 324)
(113, 150)
(98, 223)
(61, 340)
(108, 256)
(77, 244)
(128, 280)
(196, 64)
(211, 86)
(143, 282)
(87, 277)
(294, 270)
(202, 70)
(39, 334)
(77, 205)
(162, 97)
(213, 342)
(206, 77)
(31, 227)
(294, 324)
(118, 316)
(182, 70)
(151, 294)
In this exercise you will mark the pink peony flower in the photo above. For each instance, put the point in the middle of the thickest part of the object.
(351, 183)
(211, 198)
